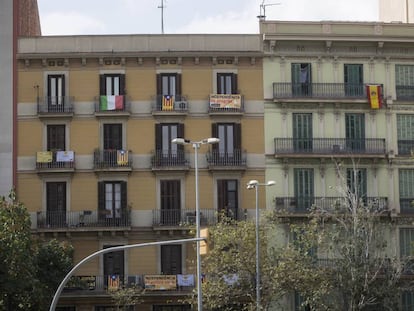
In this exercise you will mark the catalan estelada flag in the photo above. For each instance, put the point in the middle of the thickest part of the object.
(122, 157)
(374, 93)
(167, 102)
(113, 282)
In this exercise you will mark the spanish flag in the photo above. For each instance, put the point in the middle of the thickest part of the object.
(374, 93)
(122, 157)
(167, 102)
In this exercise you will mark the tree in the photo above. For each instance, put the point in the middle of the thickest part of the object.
(30, 269)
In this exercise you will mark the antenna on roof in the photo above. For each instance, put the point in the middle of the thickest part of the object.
(162, 6)
(262, 14)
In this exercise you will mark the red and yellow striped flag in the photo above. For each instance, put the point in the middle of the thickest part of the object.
(374, 96)
(167, 102)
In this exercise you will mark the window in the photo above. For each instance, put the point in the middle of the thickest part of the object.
(168, 153)
(227, 190)
(405, 134)
(65, 309)
(301, 79)
(168, 90)
(302, 132)
(407, 301)
(170, 202)
(404, 81)
(112, 136)
(356, 179)
(171, 308)
(56, 204)
(171, 259)
(353, 78)
(227, 83)
(56, 137)
(112, 203)
(299, 300)
(355, 131)
(303, 188)
(112, 84)
(113, 263)
(406, 186)
(56, 92)
(228, 150)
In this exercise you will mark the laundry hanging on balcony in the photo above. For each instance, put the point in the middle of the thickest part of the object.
(374, 93)
(112, 102)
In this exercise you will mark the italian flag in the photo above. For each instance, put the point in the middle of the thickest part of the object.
(112, 102)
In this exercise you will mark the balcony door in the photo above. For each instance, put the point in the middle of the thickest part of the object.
(170, 202)
(301, 79)
(168, 153)
(406, 190)
(228, 150)
(353, 78)
(171, 259)
(227, 83)
(168, 90)
(355, 132)
(357, 182)
(302, 132)
(227, 194)
(56, 92)
(112, 198)
(303, 188)
(113, 268)
(56, 204)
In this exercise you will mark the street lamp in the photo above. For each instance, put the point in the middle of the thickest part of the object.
(250, 185)
(196, 145)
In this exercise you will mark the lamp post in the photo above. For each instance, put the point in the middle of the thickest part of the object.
(250, 185)
(196, 145)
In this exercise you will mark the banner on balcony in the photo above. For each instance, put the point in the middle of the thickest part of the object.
(44, 156)
(113, 282)
(225, 101)
(185, 279)
(65, 156)
(122, 157)
(167, 102)
(112, 102)
(160, 282)
(374, 93)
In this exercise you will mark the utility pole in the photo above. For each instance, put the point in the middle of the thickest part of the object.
(162, 15)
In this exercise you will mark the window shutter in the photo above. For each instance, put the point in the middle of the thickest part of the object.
(158, 136)
(124, 195)
(178, 84)
(122, 84)
(214, 133)
(101, 196)
(234, 86)
(102, 85)
(48, 85)
(159, 84)
(63, 85)
(180, 134)
(221, 189)
(237, 136)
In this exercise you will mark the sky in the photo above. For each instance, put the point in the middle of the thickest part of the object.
(83, 17)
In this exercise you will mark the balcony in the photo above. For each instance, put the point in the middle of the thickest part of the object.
(180, 218)
(55, 106)
(169, 160)
(81, 220)
(55, 161)
(226, 104)
(115, 105)
(118, 160)
(302, 205)
(329, 91)
(330, 147)
(170, 105)
(235, 160)
(405, 92)
(406, 147)
(99, 284)
(407, 206)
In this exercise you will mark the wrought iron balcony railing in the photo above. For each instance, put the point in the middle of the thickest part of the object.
(236, 158)
(82, 219)
(330, 146)
(187, 217)
(100, 283)
(103, 159)
(168, 159)
(170, 103)
(303, 205)
(405, 92)
(55, 104)
(226, 103)
(406, 147)
(319, 90)
(55, 160)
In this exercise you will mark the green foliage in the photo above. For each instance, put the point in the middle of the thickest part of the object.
(127, 296)
(31, 270)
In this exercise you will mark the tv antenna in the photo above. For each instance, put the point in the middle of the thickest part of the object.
(262, 14)
(162, 6)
